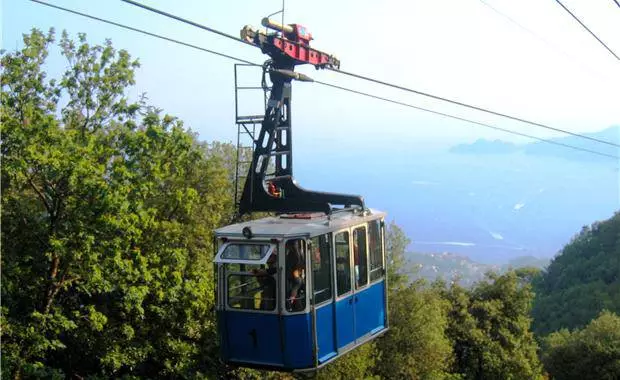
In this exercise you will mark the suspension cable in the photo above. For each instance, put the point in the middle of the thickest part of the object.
(142, 31)
(399, 87)
(466, 120)
(588, 29)
(475, 107)
(186, 21)
(325, 83)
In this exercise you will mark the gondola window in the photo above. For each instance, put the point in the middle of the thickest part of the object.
(321, 265)
(343, 264)
(295, 275)
(250, 292)
(359, 257)
(376, 250)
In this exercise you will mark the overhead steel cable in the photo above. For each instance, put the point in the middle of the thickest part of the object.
(186, 21)
(325, 83)
(545, 41)
(358, 76)
(467, 120)
(456, 102)
(588, 29)
(145, 32)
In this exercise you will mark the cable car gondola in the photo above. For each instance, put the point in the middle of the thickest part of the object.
(296, 291)
(299, 289)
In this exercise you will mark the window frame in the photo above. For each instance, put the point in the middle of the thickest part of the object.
(220, 260)
(228, 306)
(365, 227)
(381, 246)
(329, 261)
(334, 263)
(283, 289)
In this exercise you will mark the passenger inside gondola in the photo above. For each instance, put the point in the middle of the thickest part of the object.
(267, 282)
(295, 275)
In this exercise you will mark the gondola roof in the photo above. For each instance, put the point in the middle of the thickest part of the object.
(303, 224)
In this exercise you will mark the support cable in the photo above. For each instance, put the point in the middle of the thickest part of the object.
(142, 31)
(329, 84)
(467, 120)
(588, 29)
(186, 21)
(362, 77)
(545, 41)
(456, 102)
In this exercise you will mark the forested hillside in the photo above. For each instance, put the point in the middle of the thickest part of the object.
(589, 353)
(108, 208)
(581, 281)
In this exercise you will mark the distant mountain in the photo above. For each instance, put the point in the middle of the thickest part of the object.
(466, 272)
(611, 134)
(559, 149)
(528, 261)
(483, 146)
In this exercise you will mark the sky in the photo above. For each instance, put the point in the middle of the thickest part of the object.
(548, 70)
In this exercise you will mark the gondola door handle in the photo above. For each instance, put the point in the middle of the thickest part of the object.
(252, 333)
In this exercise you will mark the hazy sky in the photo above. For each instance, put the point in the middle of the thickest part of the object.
(459, 49)
(552, 72)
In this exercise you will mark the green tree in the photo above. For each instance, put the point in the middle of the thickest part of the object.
(489, 327)
(396, 242)
(107, 213)
(590, 353)
(356, 364)
(416, 346)
(581, 281)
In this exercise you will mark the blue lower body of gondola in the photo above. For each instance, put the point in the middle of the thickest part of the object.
(287, 342)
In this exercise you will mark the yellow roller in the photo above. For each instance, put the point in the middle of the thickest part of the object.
(277, 26)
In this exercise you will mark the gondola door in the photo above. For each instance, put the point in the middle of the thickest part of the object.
(248, 314)
(368, 299)
(322, 297)
(345, 310)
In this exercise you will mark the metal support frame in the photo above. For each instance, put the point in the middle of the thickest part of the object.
(246, 132)
(277, 191)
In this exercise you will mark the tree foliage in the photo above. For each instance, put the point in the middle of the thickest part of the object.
(589, 353)
(581, 281)
(489, 327)
(416, 346)
(396, 242)
(356, 364)
(107, 213)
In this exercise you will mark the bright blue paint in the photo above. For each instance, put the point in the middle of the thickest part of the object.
(280, 341)
(325, 332)
(240, 344)
(345, 327)
(370, 309)
(298, 341)
(287, 341)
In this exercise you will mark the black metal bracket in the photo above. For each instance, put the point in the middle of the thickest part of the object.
(269, 185)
